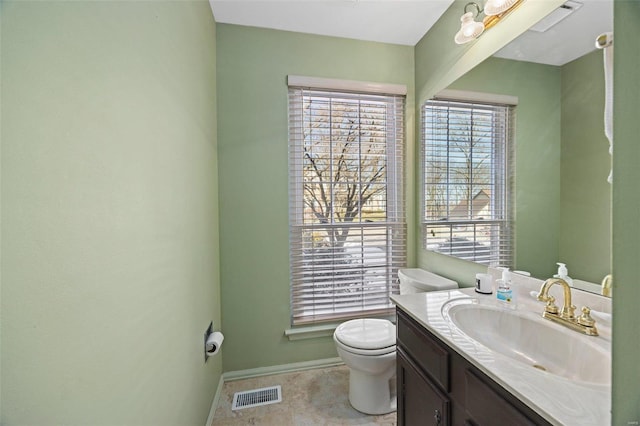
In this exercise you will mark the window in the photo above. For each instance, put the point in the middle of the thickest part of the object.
(347, 221)
(467, 161)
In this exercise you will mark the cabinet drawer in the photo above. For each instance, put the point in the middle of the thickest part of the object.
(487, 407)
(428, 354)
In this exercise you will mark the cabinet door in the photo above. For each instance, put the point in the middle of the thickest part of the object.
(487, 407)
(419, 400)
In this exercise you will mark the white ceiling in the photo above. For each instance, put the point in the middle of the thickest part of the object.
(406, 21)
(387, 21)
(570, 39)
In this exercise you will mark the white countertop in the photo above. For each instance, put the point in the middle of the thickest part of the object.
(559, 400)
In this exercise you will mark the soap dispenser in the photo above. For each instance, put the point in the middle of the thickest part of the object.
(504, 291)
(564, 274)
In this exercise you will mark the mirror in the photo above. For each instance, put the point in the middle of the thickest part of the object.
(563, 199)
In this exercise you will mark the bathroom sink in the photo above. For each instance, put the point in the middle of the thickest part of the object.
(533, 341)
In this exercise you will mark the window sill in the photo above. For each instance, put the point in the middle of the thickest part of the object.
(310, 331)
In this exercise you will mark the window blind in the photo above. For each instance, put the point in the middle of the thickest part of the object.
(467, 163)
(346, 198)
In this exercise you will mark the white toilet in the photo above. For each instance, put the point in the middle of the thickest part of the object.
(368, 347)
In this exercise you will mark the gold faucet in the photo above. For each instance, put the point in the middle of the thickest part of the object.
(606, 286)
(584, 323)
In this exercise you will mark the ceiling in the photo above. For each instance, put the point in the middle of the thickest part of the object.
(569, 39)
(387, 21)
(406, 21)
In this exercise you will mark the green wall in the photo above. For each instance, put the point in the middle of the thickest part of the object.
(109, 212)
(253, 150)
(585, 213)
(626, 215)
(537, 153)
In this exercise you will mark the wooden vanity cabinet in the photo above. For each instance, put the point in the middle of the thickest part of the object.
(422, 403)
(438, 387)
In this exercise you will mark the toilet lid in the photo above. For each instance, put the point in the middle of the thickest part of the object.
(367, 333)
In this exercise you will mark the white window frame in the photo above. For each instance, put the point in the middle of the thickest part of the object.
(372, 277)
(497, 219)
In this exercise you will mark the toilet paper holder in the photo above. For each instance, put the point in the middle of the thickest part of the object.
(212, 342)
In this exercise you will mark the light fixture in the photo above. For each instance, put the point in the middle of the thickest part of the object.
(469, 28)
(496, 7)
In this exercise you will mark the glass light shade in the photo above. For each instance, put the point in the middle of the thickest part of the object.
(469, 29)
(496, 7)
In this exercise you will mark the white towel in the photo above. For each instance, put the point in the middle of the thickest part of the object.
(608, 100)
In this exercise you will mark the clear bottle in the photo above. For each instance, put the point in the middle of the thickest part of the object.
(504, 291)
(563, 273)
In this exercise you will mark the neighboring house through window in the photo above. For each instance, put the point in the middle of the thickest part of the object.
(467, 164)
(347, 220)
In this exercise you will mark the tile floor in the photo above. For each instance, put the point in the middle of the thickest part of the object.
(311, 397)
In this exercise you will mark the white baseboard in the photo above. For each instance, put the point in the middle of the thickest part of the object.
(214, 404)
(267, 371)
(279, 369)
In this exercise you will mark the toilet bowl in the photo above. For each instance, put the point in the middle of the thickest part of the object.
(368, 348)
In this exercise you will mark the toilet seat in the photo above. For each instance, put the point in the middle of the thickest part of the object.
(366, 336)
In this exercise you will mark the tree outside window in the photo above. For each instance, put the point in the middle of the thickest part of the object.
(346, 220)
(466, 162)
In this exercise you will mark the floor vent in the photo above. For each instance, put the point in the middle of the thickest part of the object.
(257, 397)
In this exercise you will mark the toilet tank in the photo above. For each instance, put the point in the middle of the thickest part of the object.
(415, 280)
